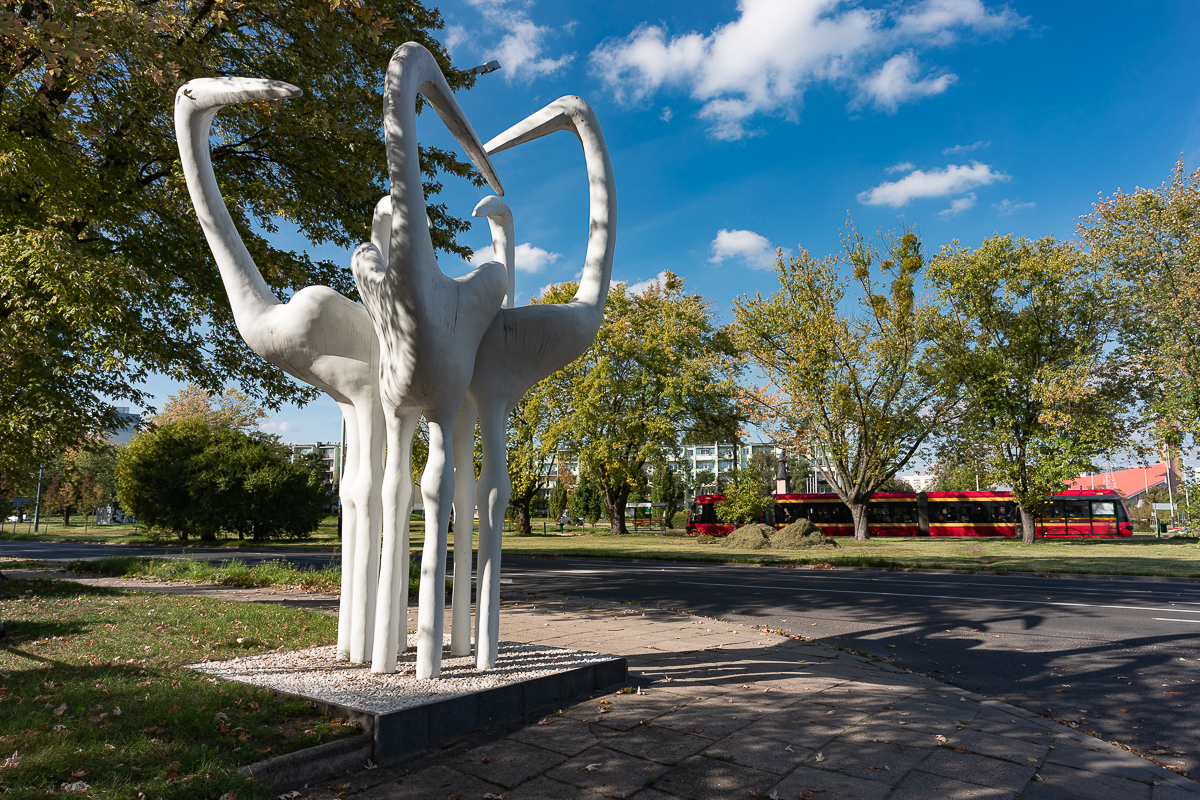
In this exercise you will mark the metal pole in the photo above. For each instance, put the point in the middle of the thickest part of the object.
(1170, 490)
(37, 503)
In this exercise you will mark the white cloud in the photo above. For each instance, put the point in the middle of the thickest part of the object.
(954, 179)
(529, 258)
(957, 206)
(520, 50)
(640, 287)
(753, 249)
(666, 114)
(960, 149)
(903, 166)
(1006, 207)
(275, 426)
(896, 83)
(939, 19)
(456, 37)
(764, 60)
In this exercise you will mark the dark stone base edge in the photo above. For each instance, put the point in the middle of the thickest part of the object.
(390, 737)
(312, 764)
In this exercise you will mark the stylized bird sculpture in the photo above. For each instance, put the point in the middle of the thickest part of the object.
(318, 336)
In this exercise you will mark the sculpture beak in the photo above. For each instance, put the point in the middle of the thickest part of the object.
(492, 207)
(456, 121)
(554, 117)
(219, 92)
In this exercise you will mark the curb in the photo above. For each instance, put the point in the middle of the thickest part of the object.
(312, 763)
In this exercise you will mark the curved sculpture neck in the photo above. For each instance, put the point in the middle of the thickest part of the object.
(602, 214)
(249, 295)
(414, 71)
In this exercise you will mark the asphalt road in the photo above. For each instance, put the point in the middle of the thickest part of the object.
(1117, 656)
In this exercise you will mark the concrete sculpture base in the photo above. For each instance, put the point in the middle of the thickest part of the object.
(403, 714)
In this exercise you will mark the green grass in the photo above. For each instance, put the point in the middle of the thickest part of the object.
(95, 690)
(1178, 557)
(51, 529)
(233, 572)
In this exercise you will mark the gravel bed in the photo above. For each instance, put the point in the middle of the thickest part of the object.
(317, 674)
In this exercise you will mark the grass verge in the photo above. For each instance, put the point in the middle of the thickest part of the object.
(1177, 557)
(233, 572)
(94, 693)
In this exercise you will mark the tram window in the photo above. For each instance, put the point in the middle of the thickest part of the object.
(1104, 509)
(947, 513)
(1077, 509)
(904, 513)
(1053, 510)
(879, 512)
(1003, 512)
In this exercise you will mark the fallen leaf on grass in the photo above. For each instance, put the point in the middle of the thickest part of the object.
(13, 761)
(289, 795)
(61, 729)
(109, 747)
(77, 786)
(58, 712)
(116, 712)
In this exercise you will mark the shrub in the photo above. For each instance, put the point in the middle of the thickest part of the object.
(679, 520)
(755, 536)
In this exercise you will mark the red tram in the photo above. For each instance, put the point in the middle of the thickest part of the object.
(1075, 514)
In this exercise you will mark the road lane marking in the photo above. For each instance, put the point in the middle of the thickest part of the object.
(944, 597)
(1164, 619)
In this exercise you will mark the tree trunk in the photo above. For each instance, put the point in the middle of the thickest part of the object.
(524, 524)
(1027, 529)
(66, 516)
(858, 512)
(614, 502)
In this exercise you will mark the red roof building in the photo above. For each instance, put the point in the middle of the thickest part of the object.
(1131, 483)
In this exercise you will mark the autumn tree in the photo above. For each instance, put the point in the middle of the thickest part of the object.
(655, 370)
(1149, 243)
(1022, 341)
(230, 409)
(846, 378)
(585, 501)
(105, 275)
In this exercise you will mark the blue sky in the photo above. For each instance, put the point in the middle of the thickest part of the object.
(736, 128)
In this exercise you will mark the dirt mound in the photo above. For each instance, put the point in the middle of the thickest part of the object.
(755, 536)
(800, 535)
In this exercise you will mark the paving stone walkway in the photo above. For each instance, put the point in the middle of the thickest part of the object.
(715, 710)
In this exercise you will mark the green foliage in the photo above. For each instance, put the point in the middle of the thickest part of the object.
(559, 500)
(188, 478)
(585, 501)
(706, 481)
(658, 364)
(679, 520)
(1149, 244)
(666, 487)
(849, 388)
(104, 273)
(765, 465)
(1022, 339)
(746, 497)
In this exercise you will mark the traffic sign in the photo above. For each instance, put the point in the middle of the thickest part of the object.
(1164, 507)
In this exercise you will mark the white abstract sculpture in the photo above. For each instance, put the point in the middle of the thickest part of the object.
(318, 336)
(524, 345)
(429, 327)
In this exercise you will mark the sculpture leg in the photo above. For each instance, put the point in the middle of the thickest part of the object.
(346, 616)
(464, 523)
(366, 550)
(437, 492)
(493, 495)
(372, 441)
(391, 608)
